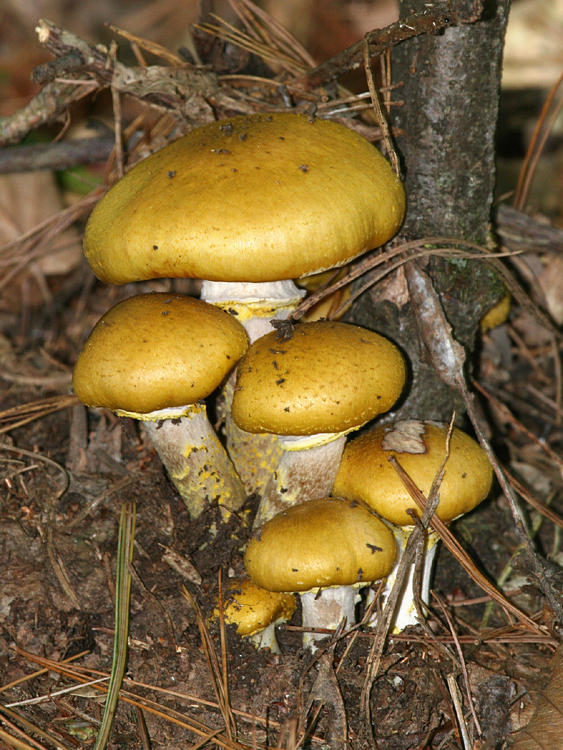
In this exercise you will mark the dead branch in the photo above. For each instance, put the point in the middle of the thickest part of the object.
(433, 19)
(186, 92)
(58, 155)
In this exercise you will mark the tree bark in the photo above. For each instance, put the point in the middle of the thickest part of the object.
(449, 85)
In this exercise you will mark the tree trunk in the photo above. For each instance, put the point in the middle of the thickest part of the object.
(449, 86)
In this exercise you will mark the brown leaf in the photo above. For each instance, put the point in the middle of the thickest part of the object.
(545, 729)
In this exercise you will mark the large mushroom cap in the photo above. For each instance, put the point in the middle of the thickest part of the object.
(327, 377)
(252, 198)
(419, 447)
(320, 543)
(157, 351)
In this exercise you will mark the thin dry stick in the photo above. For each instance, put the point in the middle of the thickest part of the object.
(14, 742)
(431, 20)
(461, 661)
(39, 672)
(82, 674)
(421, 248)
(412, 550)
(152, 47)
(381, 121)
(454, 692)
(448, 359)
(214, 668)
(224, 668)
(164, 712)
(31, 727)
(25, 413)
(536, 145)
(116, 102)
(459, 553)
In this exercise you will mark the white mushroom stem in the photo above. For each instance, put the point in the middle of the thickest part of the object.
(195, 459)
(254, 305)
(306, 471)
(266, 638)
(405, 612)
(326, 609)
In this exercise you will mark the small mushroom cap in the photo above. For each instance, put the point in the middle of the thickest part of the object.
(497, 314)
(252, 198)
(157, 351)
(252, 608)
(320, 543)
(327, 377)
(419, 447)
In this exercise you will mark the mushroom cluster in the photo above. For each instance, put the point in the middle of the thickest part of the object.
(156, 358)
(366, 474)
(249, 205)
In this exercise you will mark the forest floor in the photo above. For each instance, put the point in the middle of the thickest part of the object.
(66, 472)
(64, 479)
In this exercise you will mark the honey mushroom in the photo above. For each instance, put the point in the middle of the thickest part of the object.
(247, 204)
(311, 390)
(155, 358)
(366, 474)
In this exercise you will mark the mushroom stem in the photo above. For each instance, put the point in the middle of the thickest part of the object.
(326, 609)
(255, 456)
(306, 471)
(195, 459)
(266, 639)
(405, 612)
(254, 304)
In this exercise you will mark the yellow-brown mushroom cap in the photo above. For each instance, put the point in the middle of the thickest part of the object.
(366, 474)
(327, 377)
(497, 314)
(156, 351)
(252, 198)
(252, 608)
(320, 543)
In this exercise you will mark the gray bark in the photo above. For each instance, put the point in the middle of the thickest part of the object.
(450, 86)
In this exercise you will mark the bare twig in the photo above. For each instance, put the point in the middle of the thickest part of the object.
(454, 692)
(429, 21)
(58, 155)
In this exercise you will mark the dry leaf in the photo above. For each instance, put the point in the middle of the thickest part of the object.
(545, 729)
(551, 283)
(26, 200)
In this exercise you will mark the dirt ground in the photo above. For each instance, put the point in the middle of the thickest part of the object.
(65, 473)
(58, 585)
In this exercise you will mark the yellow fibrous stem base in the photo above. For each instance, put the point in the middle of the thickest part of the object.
(306, 471)
(197, 462)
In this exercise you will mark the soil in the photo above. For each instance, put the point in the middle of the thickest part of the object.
(58, 548)
(65, 474)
